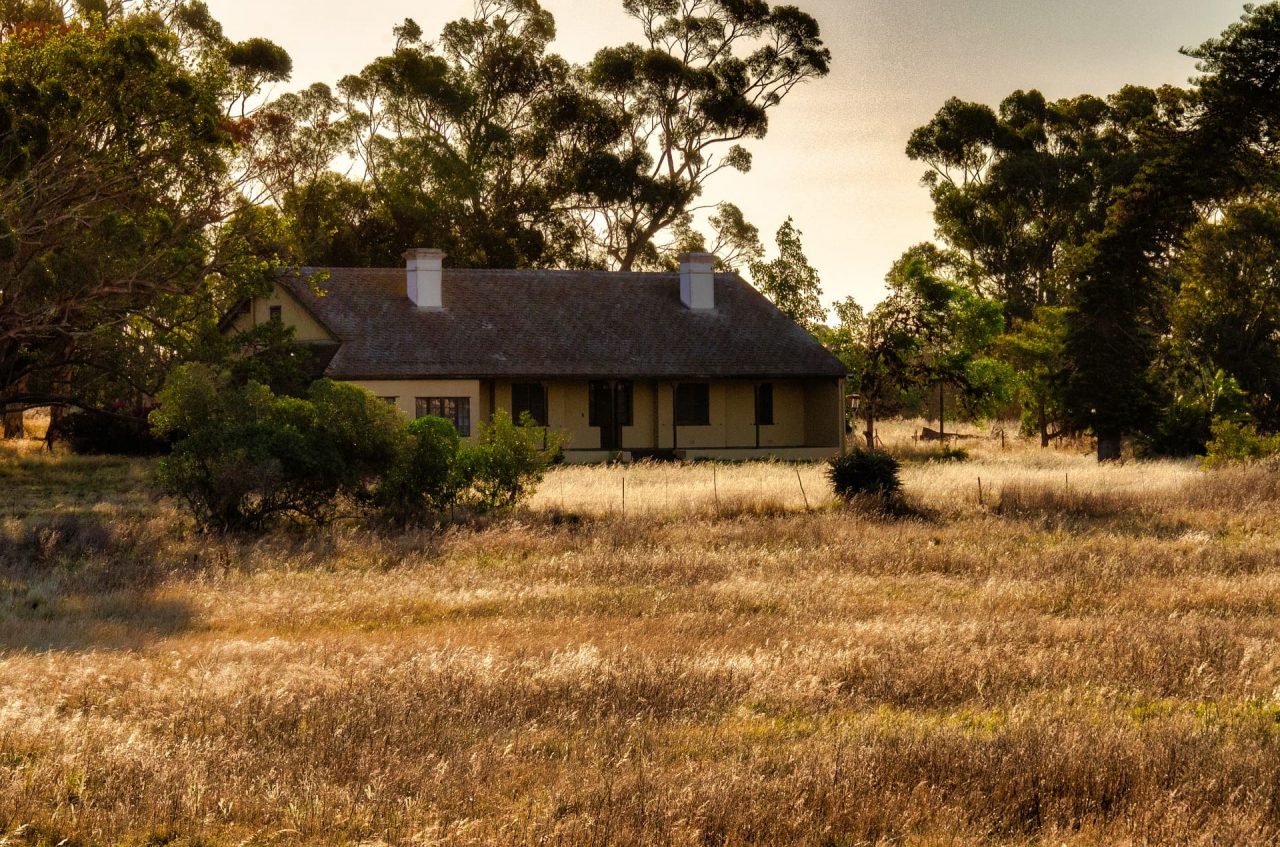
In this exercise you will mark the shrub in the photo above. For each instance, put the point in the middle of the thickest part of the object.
(1239, 442)
(96, 433)
(866, 473)
(429, 477)
(1181, 430)
(243, 456)
(511, 459)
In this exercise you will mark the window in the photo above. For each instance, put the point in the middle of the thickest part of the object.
(390, 401)
(625, 399)
(693, 404)
(608, 399)
(529, 397)
(455, 409)
(275, 313)
(764, 404)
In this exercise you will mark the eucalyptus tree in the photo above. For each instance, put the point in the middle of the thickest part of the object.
(1020, 189)
(1224, 146)
(790, 281)
(704, 78)
(116, 159)
(930, 331)
(469, 142)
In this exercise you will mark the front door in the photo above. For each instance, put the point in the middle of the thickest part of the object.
(604, 414)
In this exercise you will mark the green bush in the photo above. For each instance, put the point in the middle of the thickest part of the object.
(510, 460)
(430, 476)
(243, 456)
(865, 474)
(1239, 442)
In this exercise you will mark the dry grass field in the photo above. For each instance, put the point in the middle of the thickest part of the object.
(1087, 656)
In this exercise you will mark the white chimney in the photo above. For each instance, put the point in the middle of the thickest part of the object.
(698, 280)
(423, 271)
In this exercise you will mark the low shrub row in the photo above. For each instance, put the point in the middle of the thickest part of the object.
(244, 458)
(1234, 442)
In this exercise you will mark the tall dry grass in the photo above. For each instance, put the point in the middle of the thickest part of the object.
(1087, 656)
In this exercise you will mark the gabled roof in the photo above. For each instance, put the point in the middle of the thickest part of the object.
(537, 324)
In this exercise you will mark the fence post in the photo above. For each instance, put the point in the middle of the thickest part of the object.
(624, 495)
(802, 492)
(980, 500)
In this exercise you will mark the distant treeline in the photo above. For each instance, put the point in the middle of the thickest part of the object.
(1109, 264)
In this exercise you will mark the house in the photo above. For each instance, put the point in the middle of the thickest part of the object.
(696, 364)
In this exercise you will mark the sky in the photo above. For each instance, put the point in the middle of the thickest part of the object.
(834, 156)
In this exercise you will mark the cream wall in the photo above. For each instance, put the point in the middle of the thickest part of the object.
(733, 414)
(305, 327)
(568, 411)
(806, 415)
(407, 391)
(731, 421)
(824, 425)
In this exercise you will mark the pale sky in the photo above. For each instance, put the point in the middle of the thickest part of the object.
(833, 158)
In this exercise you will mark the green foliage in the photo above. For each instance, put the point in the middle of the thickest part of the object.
(1192, 160)
(1226, 315)
(503, 154)
(122, 233)
(929, 331)
(790, 281)
(243, 456)
(1036, 350)
(1239, 442)
(511, 459)
(737, 240)
(865, 474)
(705, 76)
(1184, 426)
(1019, 188)
(429, 478)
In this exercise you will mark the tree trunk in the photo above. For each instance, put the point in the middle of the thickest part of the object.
(14, 426)
(54, 432)
(1109, 448)
(942, 409)
(871, 428)
(1043, 420)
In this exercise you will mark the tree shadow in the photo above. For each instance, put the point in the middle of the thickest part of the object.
(74, 580)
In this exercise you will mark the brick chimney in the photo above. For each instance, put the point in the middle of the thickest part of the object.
(698, 281)
(423, 271)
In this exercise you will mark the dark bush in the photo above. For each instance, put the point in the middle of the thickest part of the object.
(96, 433)
(1181, 430)
(865, 474)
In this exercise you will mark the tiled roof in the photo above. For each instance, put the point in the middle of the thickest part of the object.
(529, 323)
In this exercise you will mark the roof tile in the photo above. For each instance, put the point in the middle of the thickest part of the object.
(532, 323)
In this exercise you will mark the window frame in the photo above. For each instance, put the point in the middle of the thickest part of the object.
(275, 314)
(692, 403)
(539, 411)
(460, 416)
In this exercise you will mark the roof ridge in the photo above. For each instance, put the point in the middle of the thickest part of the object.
(310, 269)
